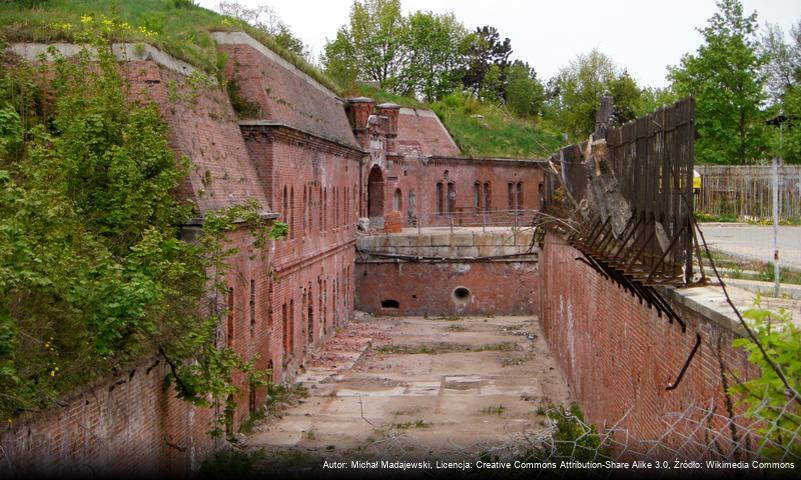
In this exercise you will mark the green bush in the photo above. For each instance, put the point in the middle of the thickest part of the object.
(92, 269)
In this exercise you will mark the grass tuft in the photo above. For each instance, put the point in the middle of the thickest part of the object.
(178, 27)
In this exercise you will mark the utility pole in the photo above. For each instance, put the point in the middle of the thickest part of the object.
(778, 121)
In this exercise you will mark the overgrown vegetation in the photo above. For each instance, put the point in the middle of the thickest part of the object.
(493, 410)
(92, 269)
(231, 463)
(752, 269)
(280, 395)
(766, 397)
(410, 424)
(486, 129)
(179, 27)
(443, 347)
(572, 439)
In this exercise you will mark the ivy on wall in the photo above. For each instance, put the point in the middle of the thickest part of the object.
(93, 273)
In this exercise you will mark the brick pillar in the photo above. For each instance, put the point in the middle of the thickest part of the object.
(390, 111)
(360, 110)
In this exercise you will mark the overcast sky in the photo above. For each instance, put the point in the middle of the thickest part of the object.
(642, 36)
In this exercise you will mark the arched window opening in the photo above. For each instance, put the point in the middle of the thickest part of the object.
(390, 303)
(396, 200)
(451, 197)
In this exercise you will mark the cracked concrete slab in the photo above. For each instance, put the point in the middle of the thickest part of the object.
(474, 387)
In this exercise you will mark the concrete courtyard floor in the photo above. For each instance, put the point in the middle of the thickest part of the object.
(413, 388)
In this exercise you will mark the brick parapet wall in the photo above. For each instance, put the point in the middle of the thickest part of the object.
(619, 355)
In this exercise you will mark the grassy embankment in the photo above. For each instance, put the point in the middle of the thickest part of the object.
(183, 30)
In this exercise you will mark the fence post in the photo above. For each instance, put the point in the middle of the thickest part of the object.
(776, 268)
(451, 219)
(484, 222)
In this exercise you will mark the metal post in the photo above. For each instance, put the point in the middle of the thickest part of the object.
(776, 268)
(777, 272)
(451, 219)
(484, 222)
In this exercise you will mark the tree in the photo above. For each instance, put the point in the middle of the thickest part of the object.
(782, 67)
(267, 20)
(726, 79)
(652, 99)
(525, 94)
(418, 55)
(627, 97)
(373, 46)
(484, 49)
(435, 44)
(783, 71)
(574, 94)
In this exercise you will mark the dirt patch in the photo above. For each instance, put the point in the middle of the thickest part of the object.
(371, 384)
(517, 359)
(445, 347)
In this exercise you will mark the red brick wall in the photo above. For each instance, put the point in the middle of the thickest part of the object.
(126, 425)
(284, 94)
(497, 288)
(410, 174)
(421, 133)
(314, 185)
(618, 355)
(204, 129)
(135, 426)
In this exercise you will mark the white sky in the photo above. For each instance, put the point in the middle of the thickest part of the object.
(642, 36)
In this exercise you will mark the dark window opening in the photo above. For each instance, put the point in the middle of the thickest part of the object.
(252, 399)
(389, 303)
(230, 316)
(451, 197)
(461, 293)
(252, 307)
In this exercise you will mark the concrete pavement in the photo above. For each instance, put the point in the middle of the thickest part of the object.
(755, 241)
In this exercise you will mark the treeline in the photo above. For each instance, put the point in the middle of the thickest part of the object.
(741, 76)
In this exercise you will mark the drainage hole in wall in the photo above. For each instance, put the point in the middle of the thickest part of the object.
(390, 304)
(414, 296)
(461, 293)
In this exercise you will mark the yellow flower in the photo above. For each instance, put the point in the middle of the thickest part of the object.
(52, 373)
(86, 18)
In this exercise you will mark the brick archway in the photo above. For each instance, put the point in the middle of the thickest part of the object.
(375, 195)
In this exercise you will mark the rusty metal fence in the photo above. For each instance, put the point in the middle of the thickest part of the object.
(631, 195)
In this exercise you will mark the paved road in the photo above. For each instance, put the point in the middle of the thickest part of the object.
(755, 241)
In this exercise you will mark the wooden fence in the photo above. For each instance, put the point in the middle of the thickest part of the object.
(747, 191)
